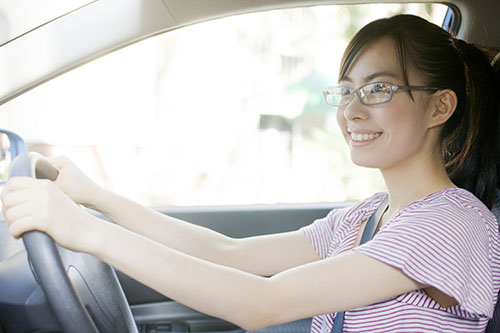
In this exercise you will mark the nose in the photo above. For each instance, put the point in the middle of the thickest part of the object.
(355, 110)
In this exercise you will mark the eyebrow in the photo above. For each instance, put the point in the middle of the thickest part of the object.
(373, 76)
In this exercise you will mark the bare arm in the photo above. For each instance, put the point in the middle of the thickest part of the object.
(265, 255)
(261, 255)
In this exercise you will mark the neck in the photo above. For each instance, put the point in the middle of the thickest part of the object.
(412, 180)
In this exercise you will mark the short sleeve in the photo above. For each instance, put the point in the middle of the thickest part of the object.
(444, 245)
(325, 232)
(322, 231)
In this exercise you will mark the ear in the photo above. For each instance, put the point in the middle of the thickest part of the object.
(443, 104)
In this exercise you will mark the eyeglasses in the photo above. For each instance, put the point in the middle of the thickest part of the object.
(370, 94)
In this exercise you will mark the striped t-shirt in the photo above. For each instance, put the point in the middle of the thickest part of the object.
(448, 240)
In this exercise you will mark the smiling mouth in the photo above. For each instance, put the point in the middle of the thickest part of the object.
(360, 137)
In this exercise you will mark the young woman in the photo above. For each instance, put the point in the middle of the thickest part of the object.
(413, 102)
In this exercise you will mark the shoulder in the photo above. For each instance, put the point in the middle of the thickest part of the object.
(341, 218)
(453, 217)
(454, 206)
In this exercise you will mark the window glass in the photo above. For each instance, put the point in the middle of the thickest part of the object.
(223, 112)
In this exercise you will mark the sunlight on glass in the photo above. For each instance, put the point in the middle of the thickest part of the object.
(224, 112)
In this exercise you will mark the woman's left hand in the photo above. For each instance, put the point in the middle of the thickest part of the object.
(38, 204)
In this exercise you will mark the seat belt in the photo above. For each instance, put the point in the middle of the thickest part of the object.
(368, 232)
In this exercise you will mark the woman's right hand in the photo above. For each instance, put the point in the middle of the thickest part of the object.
(72, 181)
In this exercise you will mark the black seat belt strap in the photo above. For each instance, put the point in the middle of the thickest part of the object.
(368, 232)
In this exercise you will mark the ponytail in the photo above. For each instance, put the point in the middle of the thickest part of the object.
(470, 142)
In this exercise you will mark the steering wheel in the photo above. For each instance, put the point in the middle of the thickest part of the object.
(83, 291)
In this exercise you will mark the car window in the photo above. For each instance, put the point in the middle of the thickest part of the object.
(224, 112)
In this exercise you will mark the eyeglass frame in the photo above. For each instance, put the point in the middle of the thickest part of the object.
(394, 88)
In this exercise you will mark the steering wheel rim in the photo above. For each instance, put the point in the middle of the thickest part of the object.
(98, 287)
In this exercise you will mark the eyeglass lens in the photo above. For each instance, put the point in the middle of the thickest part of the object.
(372, 93)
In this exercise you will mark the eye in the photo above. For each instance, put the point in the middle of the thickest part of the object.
(376, 93)
(343, 91)
(338, 96)
(379, 87)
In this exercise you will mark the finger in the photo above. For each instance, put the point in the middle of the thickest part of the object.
(17, 212)
(14, 198)
(17, 183)
(23, 225)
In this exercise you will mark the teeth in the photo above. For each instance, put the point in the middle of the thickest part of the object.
(364, 137)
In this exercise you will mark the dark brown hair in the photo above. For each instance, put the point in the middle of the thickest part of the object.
(469, 139)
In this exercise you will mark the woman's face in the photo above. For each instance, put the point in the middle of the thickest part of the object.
(384, 135)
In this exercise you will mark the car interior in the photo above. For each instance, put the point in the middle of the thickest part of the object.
(85, 292)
